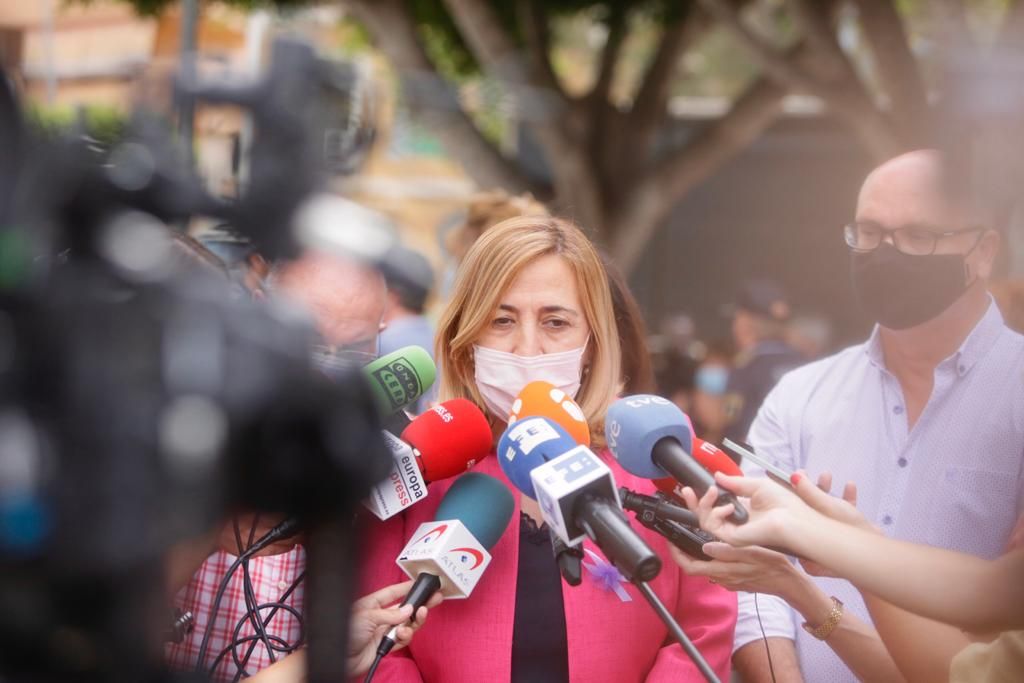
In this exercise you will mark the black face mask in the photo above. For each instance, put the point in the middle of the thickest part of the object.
(901, 291)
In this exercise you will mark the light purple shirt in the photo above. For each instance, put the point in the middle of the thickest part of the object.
(955, 480)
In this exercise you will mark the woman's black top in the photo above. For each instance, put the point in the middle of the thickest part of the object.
(540, 647)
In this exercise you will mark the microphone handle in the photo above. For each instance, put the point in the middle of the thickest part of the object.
(569, 559)
(656, 508)
(670, 456)
(425, 585)
(606, 525)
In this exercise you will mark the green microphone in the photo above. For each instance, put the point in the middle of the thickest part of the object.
(400, 378)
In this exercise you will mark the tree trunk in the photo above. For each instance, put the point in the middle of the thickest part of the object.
(395, 35)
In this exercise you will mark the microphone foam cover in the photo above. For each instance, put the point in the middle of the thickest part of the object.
(527, 444)
(543, 399)
(635, 423)
(714, 459)
(451, 437)
(400, 377)
(482, 503)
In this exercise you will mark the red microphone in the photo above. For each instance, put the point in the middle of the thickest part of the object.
(711, 457)
(443, 442)
(449, 438)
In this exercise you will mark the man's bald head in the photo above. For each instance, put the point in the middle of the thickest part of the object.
(346, 299)
(920, 188)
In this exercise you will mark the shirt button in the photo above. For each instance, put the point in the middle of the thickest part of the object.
(902, 462)
(962, 369)
(282, 585)
(898, 410)
(887, 520)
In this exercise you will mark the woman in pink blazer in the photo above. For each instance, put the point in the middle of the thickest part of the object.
(532, 302)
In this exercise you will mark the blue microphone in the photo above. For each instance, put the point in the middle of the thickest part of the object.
(528, 444)
(650, 438)
(576, 491)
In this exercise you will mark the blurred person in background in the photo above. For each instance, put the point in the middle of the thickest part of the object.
(811, 335)
(410, 280)
(484, 210)
(1009, 296)
(246, 266)
(927, 416)
(675, 354)
(710, 381)
(760, 314)
(346, 302)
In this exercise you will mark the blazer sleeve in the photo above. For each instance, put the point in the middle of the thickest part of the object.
(707, 614)
(381, 544)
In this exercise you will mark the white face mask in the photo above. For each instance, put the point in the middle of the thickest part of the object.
(500, 376)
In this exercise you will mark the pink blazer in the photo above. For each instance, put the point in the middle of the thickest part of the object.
(467, 641)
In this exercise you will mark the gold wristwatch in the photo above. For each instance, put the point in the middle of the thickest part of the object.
(835, 615)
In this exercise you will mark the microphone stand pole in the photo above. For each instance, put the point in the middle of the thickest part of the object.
(676, 631)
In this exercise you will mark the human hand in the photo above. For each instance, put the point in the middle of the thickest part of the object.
(1016, 536)
(372, 618)
(844, 510)
(752, 569)
(770, 508)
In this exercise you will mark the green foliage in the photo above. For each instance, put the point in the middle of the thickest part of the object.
(103, 123)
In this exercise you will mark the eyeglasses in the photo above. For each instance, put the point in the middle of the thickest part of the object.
(913, 240)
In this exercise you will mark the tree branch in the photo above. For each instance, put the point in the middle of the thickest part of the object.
(616, 24)
(667, 182)
(774, 62)
(533, 23)
(846, 99)
(649, 105)
(395, 34)
(898, 73)
(816, 20)
(576, 185)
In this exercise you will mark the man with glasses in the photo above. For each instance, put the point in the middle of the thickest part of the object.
(926, 416)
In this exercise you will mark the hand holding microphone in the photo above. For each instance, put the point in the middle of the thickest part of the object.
(449, 555)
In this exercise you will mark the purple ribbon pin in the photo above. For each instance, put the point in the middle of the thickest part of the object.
(606, 575)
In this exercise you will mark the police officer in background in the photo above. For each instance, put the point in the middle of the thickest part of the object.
(759, 319)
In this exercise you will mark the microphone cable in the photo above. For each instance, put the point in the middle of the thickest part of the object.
(764, 639)
(282, 530)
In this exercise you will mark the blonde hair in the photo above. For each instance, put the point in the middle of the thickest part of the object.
(490, 267)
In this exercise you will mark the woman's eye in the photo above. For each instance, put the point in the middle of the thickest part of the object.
(557, 323)
(502, 322)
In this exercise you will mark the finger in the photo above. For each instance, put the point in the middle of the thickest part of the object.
(741, 486)
(391, 616)
(850, 493)
(421, 616)
(690, 498)
(714, 521)
(403, 637)
(385, 596)
(825, 481)
(810, 494)
(435, 599)
(707, 502)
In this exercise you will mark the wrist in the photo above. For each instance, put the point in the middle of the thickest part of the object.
(813, 604)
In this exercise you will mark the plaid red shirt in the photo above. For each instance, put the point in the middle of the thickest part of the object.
(271, 576)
